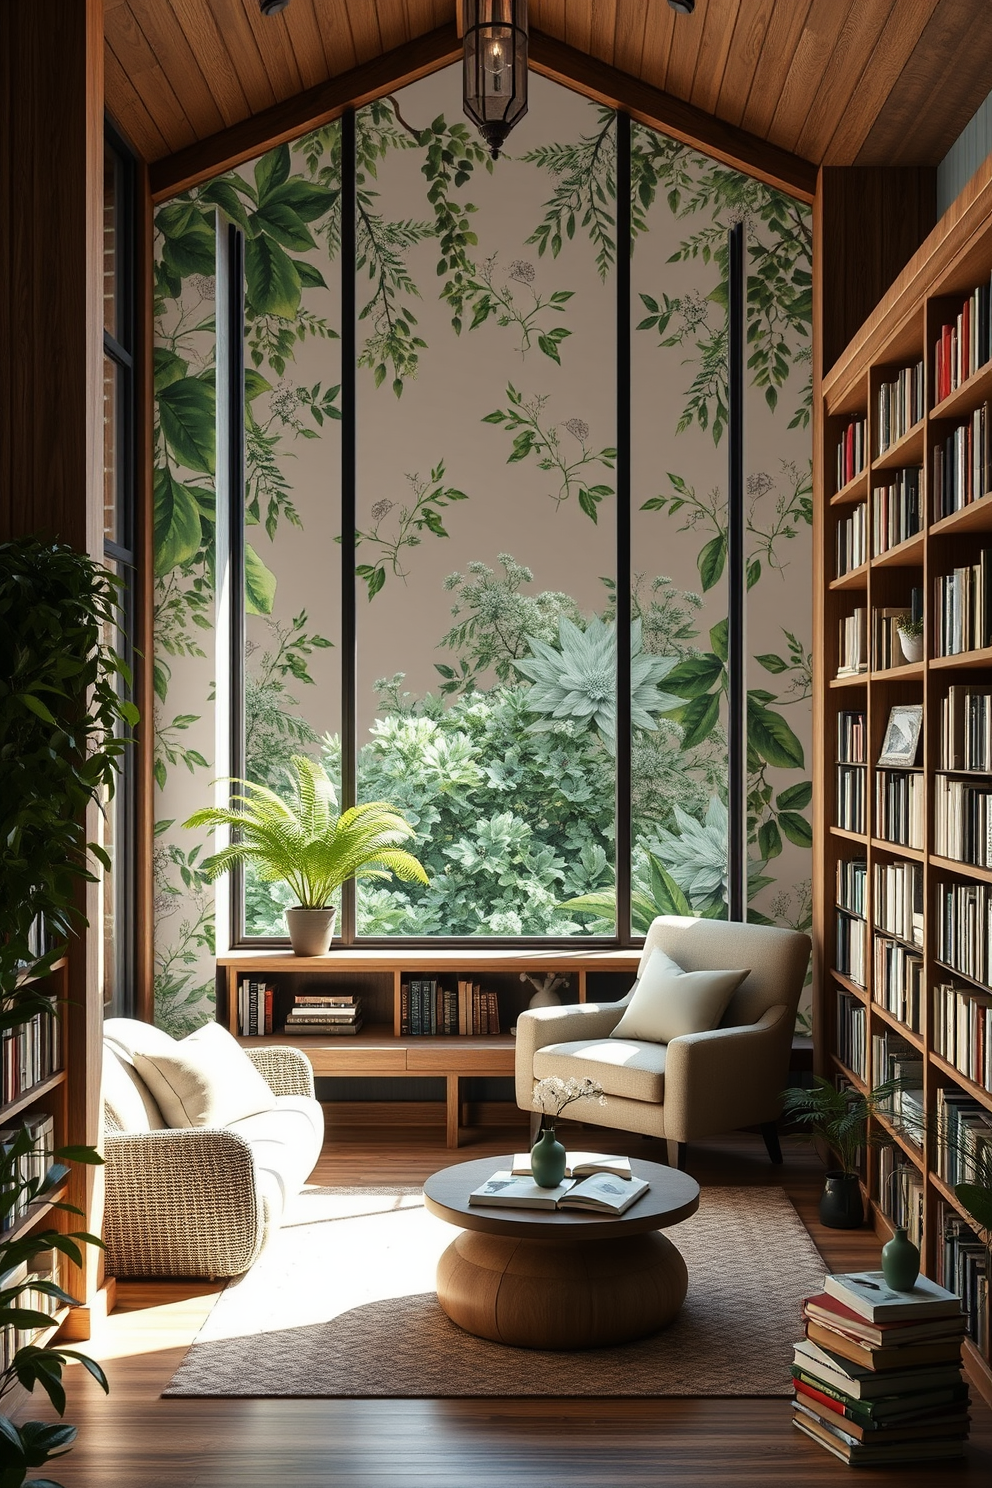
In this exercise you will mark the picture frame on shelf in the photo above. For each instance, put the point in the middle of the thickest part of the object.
(902, 735)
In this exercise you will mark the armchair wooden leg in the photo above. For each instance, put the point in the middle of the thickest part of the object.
(676, 1155)
(535, 1126)
(769, 1130)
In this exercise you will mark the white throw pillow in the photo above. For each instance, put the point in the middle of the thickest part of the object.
(205, 1080)
(669, 1002)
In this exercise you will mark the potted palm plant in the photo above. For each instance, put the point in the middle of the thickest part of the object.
(840, 1119)
(306, 844)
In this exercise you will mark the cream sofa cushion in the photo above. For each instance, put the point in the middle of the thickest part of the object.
(204, 1080)
(129, 1102)
(622, 1067)
(670, 1002)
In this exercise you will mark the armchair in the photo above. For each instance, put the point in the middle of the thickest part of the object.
(701, 1083)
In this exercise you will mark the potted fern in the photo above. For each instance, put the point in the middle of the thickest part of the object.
(306, 844)
(911, 637)
(840, 1119)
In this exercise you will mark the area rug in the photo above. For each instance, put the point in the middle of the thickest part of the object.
(342, 1304)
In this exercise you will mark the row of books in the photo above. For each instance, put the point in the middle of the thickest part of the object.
(963, 607)
(852, 1045)
(851, 786)
(898, 900)
(900, 797)
(896, 510)
(966, 729)
(34, 1164)
(962, 821)
(964, 1136)
(962, 465)
(962, 1267)
(895, 1058)
(897, 981)
(852, 885)
(900, 1189)
(963, 344)
(326, 1013)
(852, 948)
(962, 1031)
(852, 737)
(900, 405)
(852, 451)
(877, 1377)
(852, 539)
(964, 929)
(29, 1053)
(46, 1266)
(255, 1000)
(853, 645)
(427, 1007)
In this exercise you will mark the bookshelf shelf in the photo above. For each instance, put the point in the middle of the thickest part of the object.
(855, 988)
(905, 329)
(906, 451)
(28, 1097)
(26, 978)
(35, 1213)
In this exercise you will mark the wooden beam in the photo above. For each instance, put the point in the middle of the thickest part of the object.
(144, 662)
(309, 110)
(648, 105)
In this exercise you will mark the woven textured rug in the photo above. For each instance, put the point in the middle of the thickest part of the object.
(342, 1304)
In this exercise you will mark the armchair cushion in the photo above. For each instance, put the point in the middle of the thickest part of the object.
(624, 1067)
(205, 1080)
(669, 1002)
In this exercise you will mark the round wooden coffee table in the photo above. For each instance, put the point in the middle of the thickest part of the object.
(561, 1278)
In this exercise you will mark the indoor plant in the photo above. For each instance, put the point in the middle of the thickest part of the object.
(911, 637)
(304, 843)
(840, 1119)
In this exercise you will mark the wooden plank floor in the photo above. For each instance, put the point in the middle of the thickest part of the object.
(135, 1439)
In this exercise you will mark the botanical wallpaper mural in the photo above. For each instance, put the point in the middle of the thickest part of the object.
(486, 509)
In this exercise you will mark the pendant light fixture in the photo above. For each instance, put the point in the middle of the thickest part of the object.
(495, 86)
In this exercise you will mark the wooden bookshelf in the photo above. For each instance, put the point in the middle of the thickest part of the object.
(901, 331)
(379, 1050)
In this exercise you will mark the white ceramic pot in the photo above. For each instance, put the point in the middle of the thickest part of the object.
(912, 646)
(310, 930)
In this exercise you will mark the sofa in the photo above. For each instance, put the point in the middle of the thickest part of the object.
(200, 1193)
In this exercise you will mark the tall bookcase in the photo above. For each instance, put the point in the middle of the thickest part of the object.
(901, 332)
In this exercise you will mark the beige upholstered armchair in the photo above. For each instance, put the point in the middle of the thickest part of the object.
(698, 1084)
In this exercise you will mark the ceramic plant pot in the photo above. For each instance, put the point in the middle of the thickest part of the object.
(900, 1262)
(310, 930)
(547, 1159)
(841, 1206)
(912, 646)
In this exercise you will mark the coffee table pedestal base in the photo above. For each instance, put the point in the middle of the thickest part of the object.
(550, 1295)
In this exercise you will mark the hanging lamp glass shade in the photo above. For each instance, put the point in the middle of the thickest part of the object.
(495, 85)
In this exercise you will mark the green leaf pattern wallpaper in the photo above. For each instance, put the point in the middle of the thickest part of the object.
(486, 521)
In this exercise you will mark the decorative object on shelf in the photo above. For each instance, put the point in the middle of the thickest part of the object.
(551, 1096)
(911, 638)
(545, 988)
(32, 1299)
(303, 843)
(495, 67)
(840, 1119)
(902, 735)
(64, 726)
(900, 1261)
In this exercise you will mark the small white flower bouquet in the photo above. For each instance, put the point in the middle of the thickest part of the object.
(553, 1094)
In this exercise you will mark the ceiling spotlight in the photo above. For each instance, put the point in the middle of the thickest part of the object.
(684, 7)
(272, 7)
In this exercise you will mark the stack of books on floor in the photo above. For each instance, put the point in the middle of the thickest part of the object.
(333, 1013)
(878, 1376)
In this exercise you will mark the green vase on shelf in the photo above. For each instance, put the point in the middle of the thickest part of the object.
(900, 1262)
(547, 1159)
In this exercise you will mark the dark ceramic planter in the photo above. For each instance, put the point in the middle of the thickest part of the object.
(841, 1206)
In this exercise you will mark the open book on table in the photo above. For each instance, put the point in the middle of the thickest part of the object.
(603, 1193)
(579, 1164)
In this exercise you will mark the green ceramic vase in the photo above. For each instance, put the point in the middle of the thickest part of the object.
(900, 1262)
(547, 1159)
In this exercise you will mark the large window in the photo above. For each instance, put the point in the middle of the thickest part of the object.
(487, 412)
(119, 547)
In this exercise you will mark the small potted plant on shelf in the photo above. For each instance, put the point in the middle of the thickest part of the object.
(911, 637)
(306, 844)
(840, 1119)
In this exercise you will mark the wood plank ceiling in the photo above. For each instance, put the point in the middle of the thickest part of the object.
(837, 82)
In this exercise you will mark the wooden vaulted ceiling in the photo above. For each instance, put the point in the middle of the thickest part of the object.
(834, 82)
